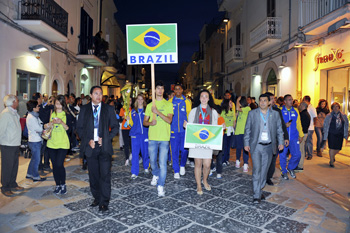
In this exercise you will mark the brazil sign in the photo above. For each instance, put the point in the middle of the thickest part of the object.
(151, 43)
(203, 136)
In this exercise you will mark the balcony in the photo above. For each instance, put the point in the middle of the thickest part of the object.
(266, 35)
(227, 5)
(45, 18)
(234, 54)
(93, 50)
(323, 16)
(113, 65)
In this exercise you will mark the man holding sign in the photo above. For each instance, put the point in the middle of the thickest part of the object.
(158, 117)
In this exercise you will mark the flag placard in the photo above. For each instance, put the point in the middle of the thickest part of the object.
(203, 136)
(151, 43)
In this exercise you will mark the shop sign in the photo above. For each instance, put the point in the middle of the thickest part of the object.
(336, 55)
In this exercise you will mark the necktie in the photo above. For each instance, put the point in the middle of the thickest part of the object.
(95, 116)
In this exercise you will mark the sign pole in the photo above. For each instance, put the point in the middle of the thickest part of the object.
(153, 82)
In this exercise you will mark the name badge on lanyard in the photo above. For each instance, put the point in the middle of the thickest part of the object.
(264, 134)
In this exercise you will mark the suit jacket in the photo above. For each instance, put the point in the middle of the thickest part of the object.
(85, 128)
(252, 130)
(284, 127)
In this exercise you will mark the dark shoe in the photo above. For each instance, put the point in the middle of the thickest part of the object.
(95, 203)
(285, 176)
(256, 201)
(331, 165)
(57, 189)
(319, 153)
(103, 208)
(292, 174)
(29, 177)
(309, 158)
(41, 179)
(299, 169)
(84, 166)
(269, 182)
(63, 189)
(18, 188)
(121, 148)
(7, 193)
(263, 197)
(48, 169)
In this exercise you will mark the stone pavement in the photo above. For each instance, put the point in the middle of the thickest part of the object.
(135, 206)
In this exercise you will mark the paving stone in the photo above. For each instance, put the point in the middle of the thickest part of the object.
(85, 190)
(105, 226)
(200, 216)
(119, 174)
(219, 206)
(286, 225)
(247, 200)
(142, 229)
(284, 211)
(242, 175)
(114, 208)
(197, 229)
(315, 209)
(248, 190)
(191, 184)
(168, 222)
(125, 181)
(142, 197)
(79, 205)
(173, 188)
(192, 197)
(251, 215)
(137, 216)
(230, 225)
(334, 225)
(72, 192)
(230, 185)
(213, 181)
(131, 190)
(217, 192)
(167, 204)
(67, 223)
(278, 199)
(312, 219)
(296, 204)
(273, 189)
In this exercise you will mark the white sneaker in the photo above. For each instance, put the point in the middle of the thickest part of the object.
(182, 171)
(161, 192)
(154, 180)
(133, 176)
(210, 173)
(245, 167)
(238, 164)
(177, 176)
(214, 169)
(146, 171)
(140, 160)
(188, 162)
(218, 176)
(191, 164)
(127, 162)
(130, 157)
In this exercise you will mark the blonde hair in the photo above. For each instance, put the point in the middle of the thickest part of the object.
(136, 105)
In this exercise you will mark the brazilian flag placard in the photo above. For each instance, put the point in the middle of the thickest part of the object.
(204, 136)
(151, 43)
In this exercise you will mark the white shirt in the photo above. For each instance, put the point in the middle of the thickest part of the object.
(99, 113)
(312, 111)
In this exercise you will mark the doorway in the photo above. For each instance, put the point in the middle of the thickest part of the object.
(271, 82)
(54, 88)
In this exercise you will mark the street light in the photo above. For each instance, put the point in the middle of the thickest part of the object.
(37, 49)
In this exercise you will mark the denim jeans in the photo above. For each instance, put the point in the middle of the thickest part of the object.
(319, 134)
(160, 170)
(309, 144)
(33, 167)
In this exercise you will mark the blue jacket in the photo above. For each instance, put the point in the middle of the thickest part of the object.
(182, 108)
(136, 123)
(295, 129)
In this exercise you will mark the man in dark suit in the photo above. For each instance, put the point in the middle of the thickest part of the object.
(93, 125)
(263, 132)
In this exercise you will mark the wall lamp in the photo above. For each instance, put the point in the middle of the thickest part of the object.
(37, 49)
(225, 20)
(284, 61)
(88, 67)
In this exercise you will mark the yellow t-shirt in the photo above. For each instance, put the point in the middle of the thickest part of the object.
(160, 131)
(59, 138)
(241, 120)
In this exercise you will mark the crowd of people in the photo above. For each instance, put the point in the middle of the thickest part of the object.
(153, 134)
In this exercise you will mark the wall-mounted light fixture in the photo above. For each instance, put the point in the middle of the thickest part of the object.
(225, 20)
(89, 67)
(284, 61)
(38, 49)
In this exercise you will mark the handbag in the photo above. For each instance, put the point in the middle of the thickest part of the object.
(46, 134)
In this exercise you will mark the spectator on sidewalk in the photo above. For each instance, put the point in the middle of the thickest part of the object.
(322, 111)
(35, 128)
(125, 133)
(263, 136)
(305, 123)
(158, 118)
(309, 142)
(10, 140)
(335, 129)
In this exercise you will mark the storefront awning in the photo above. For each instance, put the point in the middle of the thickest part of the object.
(109, 79)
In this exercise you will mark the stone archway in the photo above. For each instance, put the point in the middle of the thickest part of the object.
(265, 75)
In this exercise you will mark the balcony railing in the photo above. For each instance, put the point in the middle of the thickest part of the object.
(235, 53)
(113, 61)
(311, 10)
(46, 10)
(271, 28)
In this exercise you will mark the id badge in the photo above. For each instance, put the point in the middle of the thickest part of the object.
(95, 134)
(264, 136)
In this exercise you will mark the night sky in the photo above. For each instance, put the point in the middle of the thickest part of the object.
(190, 16)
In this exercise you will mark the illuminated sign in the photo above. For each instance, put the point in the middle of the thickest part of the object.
(336, 55)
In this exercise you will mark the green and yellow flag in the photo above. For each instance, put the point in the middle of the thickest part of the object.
(204, 136)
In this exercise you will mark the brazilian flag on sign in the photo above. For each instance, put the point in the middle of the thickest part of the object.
(204, 136)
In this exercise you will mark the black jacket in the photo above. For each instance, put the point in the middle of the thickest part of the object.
(284, 127)
(305, 120)
(85, 128)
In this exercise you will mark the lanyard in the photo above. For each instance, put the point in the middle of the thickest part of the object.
(203, 115)
(263, 118)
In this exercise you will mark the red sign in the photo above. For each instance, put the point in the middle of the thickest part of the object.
(336, 55)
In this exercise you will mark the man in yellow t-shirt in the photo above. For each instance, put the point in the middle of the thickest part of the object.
(159, 118)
